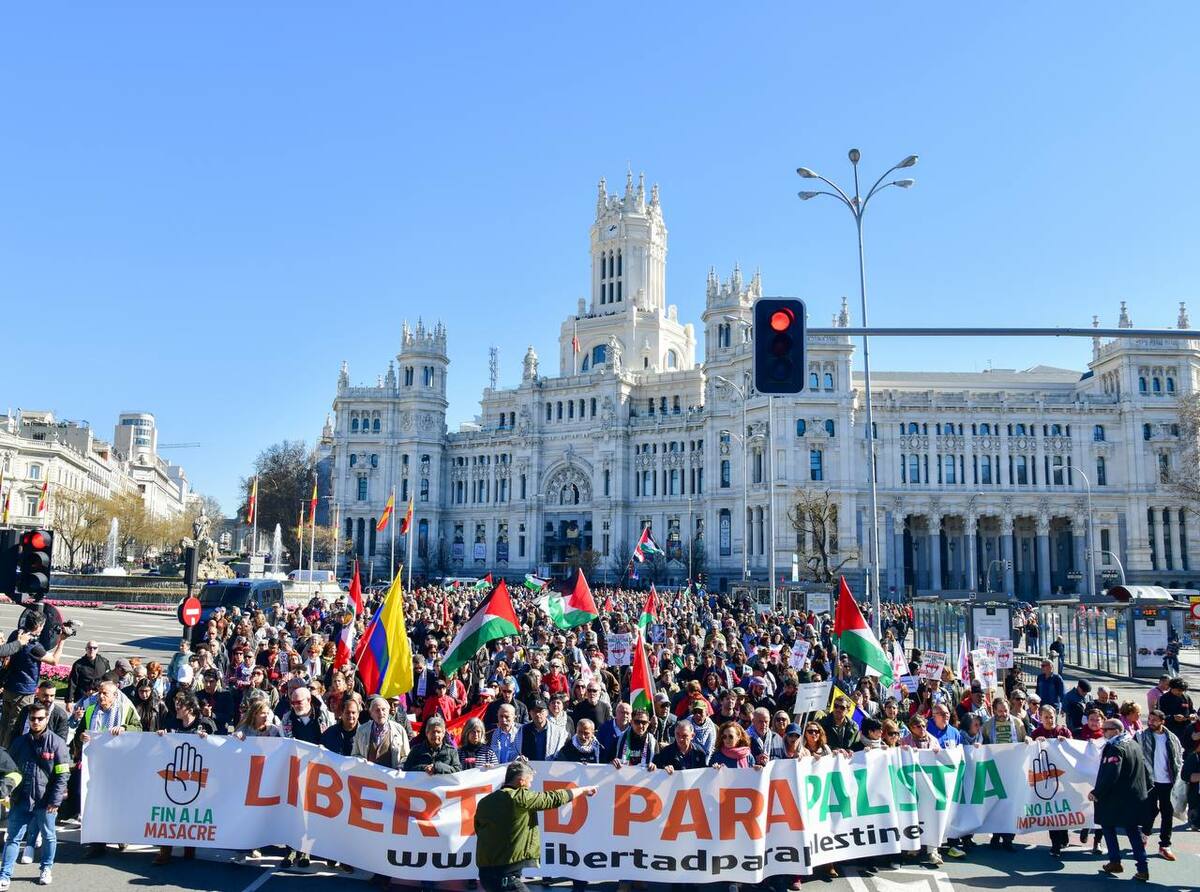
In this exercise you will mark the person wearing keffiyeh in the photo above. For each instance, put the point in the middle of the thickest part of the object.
(583, 747)
(635, 746)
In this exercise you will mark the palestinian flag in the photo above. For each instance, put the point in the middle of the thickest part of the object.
(641, 682)
(852, 635)
(645, 547)
(493, 618)
(575, 609)
(483, 584)
(650, 611)
(535, 583)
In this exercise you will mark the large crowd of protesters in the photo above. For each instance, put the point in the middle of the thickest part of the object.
(724, 698)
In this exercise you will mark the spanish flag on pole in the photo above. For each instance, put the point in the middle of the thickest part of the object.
(387, 513)
(253, 505)
(312, 504)
(406, 520)
(43, 498)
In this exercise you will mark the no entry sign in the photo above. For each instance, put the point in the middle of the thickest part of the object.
(189, 611)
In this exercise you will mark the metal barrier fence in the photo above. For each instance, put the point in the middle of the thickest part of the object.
(1095, 637)
(940, 626)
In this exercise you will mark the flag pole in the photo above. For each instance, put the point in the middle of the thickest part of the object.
(312, 544)
(300, 544)
(575, 349)
(254, 519)
(411, 536)
(337, 537)
(392, 521)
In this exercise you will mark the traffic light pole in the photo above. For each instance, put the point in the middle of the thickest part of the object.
(771, 487)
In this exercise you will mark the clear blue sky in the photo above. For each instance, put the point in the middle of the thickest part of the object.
(210, 207)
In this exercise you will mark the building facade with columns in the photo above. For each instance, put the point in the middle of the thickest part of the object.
(982, 477)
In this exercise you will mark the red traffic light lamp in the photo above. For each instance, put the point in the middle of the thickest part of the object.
(779, 345)
(34, 556)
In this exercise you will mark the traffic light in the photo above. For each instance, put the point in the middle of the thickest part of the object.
(779, 365)
(33, 563)
(9, 547)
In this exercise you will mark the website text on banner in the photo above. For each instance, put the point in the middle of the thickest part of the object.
(732, 825)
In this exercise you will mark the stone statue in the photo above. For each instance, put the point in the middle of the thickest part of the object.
(208, 566)
(614, 354)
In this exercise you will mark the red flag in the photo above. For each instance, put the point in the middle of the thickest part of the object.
(454, 726)
(406, 521)
(356, 592)
(387, 513)
(608, 604)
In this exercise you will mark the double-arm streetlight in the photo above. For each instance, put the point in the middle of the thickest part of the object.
(857, 205)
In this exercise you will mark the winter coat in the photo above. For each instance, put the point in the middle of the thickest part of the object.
(1123, 784)
(1174, 751)
(444, 759)
(44, 765)
(399, 746)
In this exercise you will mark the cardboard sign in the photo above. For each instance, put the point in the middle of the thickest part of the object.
(1004, 655)
(620, 649)
(932, 664)
(799, 655)
(909, 682)
(984, 668)
(811, 697)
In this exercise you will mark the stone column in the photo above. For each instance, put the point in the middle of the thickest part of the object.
(889, 547)
(971, 528)
(1043, 555)
(898, 546)
(1006, 552)
(935, 552)
(1160, 555)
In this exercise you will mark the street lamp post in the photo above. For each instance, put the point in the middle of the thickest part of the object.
(858, 207)
(1090, 562)
(745, 477)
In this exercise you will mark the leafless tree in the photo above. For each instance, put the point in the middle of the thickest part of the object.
(814, 517)
(1184, 471)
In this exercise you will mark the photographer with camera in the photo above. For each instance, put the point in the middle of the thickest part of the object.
(25, 668)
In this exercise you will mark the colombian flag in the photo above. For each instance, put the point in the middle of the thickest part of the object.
(384, 657)
(387, 513)
(406, 521)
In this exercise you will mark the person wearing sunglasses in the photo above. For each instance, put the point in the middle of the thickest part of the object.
(43, 762)
(1121, 794)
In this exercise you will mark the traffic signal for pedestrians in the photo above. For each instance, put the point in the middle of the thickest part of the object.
(9, 546)
(779, 365)
(33, 563)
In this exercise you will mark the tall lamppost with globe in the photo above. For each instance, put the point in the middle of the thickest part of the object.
(857, 205)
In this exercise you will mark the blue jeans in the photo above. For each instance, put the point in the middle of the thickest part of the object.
(20, 819)
(1110, 840)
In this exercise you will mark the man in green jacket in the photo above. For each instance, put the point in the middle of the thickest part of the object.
(507, 839)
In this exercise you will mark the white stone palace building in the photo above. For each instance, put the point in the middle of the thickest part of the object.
(636, 429)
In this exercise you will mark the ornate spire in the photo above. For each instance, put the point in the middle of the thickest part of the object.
(1183, 321)
(1124, 321)
(344, 375)
(641, 192)
(735, 280)
(1095, 341)
(654, 196)
(628, 184)
(601, 198)
(843, 318)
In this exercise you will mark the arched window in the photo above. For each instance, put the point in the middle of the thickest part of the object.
(1170, 385)
(599, 355)
(816, 468)
(913, 428)
(829, 427)
(985, 429)
(375, 425)
(354, 425)
(424, 490)
(801, 427)
(814, 380)
(1141, 384)
(549, 411)
(645, 362)
(1101, 472)
(586, 360)
(1156, 384)
(353, 459)
(1056, 430)
(1020, 430)
(374, 460)
(1145, 432)
(1098, 433)
(672, 360)
(828, 381)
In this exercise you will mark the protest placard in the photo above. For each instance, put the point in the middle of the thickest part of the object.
(1004, 655)
(799, 654)
(620, 648)
(984, 668)
(811, 697)
(932, 664)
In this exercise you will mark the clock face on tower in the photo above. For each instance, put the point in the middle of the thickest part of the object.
(611, 231)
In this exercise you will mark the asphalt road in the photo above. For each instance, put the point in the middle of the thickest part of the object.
(1029, 868)
(120, 633)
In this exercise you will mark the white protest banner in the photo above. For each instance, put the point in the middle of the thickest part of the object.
(1004, 655)
(799, 654)
(811, 697)
(932, 664)
(731, 826)
(620, 648)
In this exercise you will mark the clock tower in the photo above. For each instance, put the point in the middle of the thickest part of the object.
(629, 250)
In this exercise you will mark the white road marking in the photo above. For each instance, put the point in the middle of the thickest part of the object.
(940, 881)
(258, 883)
